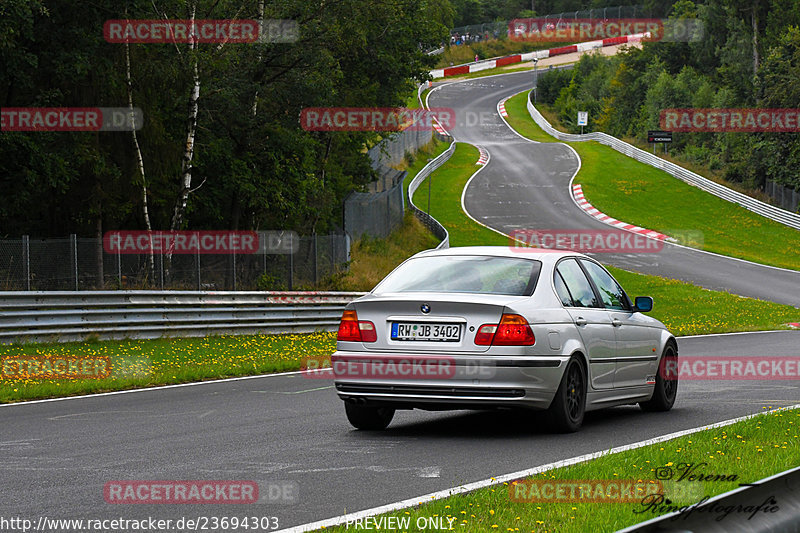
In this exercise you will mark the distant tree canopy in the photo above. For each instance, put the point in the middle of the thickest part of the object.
(749, 58)
(221, 146)
(252, 166)
(480, 11)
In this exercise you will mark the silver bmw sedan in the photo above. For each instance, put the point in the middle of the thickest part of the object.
(501, 327)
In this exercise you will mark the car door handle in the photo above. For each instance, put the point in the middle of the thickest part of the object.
(580, 321)
(616, 322)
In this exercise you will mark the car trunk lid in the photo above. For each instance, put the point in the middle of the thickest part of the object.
(413, 327)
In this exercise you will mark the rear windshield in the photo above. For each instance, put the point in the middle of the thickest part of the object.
(459, 273)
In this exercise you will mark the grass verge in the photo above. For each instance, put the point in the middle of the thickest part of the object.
(684, 308)
(147, 363)
(636, 193)
(423, 156)
(743, 452)
(372, 259)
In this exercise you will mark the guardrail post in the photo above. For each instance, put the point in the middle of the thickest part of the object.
(291, 262)
(119, 267)
(197, 261)
(26, 254)
(161, 269)
(333, 241)
(73, 241)
(265, 254)
(234, 269)
(316, 272)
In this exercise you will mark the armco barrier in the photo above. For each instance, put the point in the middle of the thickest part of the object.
(431, 223)
(468, 68)
(74, 316)
(764, 209)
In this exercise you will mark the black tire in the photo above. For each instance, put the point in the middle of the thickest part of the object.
(666, 389)
(368, 417)
(569, 405)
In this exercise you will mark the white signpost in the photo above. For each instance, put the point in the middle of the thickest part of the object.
(583, 119)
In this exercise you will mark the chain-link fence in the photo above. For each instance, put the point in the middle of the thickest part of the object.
(393, 149)
(784, 197)
(499, 29)
(380, 210)
(83, 264)
(376, 213)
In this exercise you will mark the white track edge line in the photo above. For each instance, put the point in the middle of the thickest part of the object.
(579, 207)
(157, 388)
(556, 141)
(469, 487)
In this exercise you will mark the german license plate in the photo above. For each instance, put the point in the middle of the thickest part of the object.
(403, 331)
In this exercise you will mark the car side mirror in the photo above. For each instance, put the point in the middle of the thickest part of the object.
(643, 304)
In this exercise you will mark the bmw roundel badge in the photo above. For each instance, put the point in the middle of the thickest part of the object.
(425, 308)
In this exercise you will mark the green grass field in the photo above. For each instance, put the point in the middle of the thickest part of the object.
(743, 452)
(639, 194)
(147, 363)
(684, 308)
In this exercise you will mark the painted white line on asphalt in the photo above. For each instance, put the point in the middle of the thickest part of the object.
(160, 387)
(668, 243)
(575, 201)
(735, 333)
(469, 487)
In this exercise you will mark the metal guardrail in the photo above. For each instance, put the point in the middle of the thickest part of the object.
(728, 512)
(430, 222)
(60, 316)
(757, 206)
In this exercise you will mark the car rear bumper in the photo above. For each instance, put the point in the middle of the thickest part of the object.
(470, 381)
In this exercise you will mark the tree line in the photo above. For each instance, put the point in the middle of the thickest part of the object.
(479, 11)
(749, 57)
(221, 146)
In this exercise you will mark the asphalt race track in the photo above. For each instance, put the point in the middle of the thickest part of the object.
(526, 186)
(57, 456)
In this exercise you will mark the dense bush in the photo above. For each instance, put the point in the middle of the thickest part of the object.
(625, 94)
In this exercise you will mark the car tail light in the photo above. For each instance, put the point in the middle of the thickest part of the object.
(513, 330)
(485, 334)
(355, 330)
